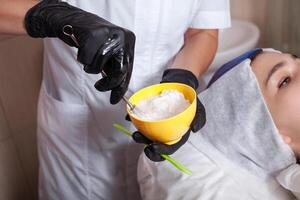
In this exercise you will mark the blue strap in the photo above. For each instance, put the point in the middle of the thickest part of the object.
(231, 64)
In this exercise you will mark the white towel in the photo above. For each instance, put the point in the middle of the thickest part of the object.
(240, 126)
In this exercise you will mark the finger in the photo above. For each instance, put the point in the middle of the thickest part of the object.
(113, 72)
(118, 92)
(103, 55)
(109, 82)
(114, 65)
(98, 62)
(154, 150)
(112, 45)
(140, 138)
(200, 117)
(127, 118)
(160, 148)
(152, 155)
(169, 149)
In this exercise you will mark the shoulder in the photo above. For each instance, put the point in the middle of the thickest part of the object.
(290, 179)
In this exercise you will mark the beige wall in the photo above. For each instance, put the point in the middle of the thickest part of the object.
(251, 10)
(20, 75)
(276, 19)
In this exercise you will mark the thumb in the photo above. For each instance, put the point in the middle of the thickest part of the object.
(138, 137)
(200, 117)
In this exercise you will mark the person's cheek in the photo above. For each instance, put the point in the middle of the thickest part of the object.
(290, 113)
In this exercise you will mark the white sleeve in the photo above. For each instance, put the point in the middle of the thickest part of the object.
(290, 179)
(162, 181)
(211, 14)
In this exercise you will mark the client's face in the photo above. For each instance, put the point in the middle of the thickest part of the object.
(279, 79)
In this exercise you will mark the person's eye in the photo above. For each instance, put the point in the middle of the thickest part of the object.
(284, 82)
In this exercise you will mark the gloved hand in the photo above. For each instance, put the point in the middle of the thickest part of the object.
(102, 46)
(187, 77)
(154, 149)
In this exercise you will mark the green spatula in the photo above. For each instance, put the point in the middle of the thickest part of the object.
(168, 158)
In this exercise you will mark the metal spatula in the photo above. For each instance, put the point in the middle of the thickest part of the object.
(131, 106)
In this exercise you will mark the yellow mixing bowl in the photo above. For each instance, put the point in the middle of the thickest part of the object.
(170, 130)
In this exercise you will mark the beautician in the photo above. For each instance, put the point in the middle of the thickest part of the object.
(81, 156)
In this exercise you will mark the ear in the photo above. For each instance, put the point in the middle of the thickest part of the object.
(284, 133)
(286, 139)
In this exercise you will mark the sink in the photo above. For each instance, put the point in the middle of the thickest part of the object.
(239, 38)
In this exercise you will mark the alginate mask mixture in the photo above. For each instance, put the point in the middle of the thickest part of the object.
(165, 105)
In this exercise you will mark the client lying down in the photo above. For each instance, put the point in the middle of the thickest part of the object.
(249, 146)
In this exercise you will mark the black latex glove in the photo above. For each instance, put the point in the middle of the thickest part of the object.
(188, 78)
(102, 46)
(154, 149)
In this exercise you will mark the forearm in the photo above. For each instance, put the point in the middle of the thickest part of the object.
(198, 52)
(12, 13)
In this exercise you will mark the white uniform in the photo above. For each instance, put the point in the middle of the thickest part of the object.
(81, 155)
(213, 177)
(237, 155)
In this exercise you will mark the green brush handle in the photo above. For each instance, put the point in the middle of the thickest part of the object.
(168, 158)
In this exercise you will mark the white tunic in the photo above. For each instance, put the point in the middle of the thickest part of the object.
(214, 177)
(81, 155)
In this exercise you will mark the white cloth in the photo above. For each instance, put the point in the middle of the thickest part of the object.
(214, 178)
(81, 155)
(236, 155)
(240, 126)
(290, 179)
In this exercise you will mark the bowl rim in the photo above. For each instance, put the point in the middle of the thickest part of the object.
(162, 120)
